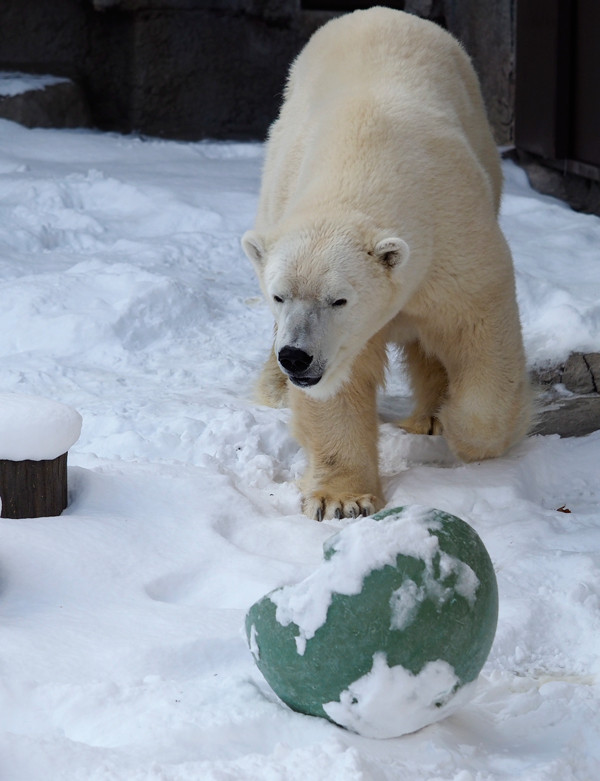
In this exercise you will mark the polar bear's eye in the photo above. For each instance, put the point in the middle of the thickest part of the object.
(340, 302)
(278, 299)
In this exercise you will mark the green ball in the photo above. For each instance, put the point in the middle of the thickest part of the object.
(390, 632)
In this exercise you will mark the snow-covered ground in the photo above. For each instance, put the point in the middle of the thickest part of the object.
(125, 295)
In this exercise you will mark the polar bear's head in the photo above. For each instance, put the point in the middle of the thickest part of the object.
(330, 290)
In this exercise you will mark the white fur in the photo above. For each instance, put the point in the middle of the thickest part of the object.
(377, 222)
(307, 317)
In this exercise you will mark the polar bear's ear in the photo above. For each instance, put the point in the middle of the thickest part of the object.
(392, 252)
(253, 247)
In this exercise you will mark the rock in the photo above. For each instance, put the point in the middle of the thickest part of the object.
(58, 104)
(580, 373)
(580, 192)
(569, 402)
(593, 363)
(547, 376)
(576, 376)
(570, 416)
(389, 632)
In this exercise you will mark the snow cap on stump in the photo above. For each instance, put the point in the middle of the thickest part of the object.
(390, 633)
(35, 435)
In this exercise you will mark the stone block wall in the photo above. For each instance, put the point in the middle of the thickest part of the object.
(486, 28)
(193, 69)
(184, 69)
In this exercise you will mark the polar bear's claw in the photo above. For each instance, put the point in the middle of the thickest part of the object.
(328, 508)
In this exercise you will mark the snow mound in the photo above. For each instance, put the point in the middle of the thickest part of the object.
(34, 428)
(369, 706)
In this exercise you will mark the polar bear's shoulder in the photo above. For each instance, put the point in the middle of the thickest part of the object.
(377, 42)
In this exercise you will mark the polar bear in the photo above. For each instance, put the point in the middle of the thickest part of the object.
(377, 223)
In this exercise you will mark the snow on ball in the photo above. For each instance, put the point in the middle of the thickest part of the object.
(390, 633)
(35, 428)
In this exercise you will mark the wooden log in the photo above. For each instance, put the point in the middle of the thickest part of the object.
(33, 489)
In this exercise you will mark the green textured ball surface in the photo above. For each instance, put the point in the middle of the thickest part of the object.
(385, 635)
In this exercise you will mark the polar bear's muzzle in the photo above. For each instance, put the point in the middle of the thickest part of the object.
(299, 366)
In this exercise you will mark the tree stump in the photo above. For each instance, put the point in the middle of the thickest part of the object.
(35, 435)
(32, 489)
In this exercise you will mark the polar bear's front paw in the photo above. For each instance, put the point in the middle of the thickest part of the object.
(420, 424)
(323, 507)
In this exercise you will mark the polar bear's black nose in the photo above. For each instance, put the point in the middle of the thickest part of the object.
(293, 360)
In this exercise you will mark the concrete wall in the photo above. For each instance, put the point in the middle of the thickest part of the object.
(486, 28)
(177, 68)
(193, 69)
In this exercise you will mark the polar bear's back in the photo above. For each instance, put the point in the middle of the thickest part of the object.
(379, 45)
(382, 62)
(391, 54)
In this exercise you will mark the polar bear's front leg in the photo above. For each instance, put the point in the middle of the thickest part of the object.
(339, 436)
(271, 388)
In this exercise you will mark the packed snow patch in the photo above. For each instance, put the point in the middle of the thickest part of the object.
(122, 656)
(370, 705)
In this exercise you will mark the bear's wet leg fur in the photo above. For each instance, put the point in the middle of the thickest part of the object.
(489, 402)
(475, 430)
(429, 382)
(339, 436)
(272, 385)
